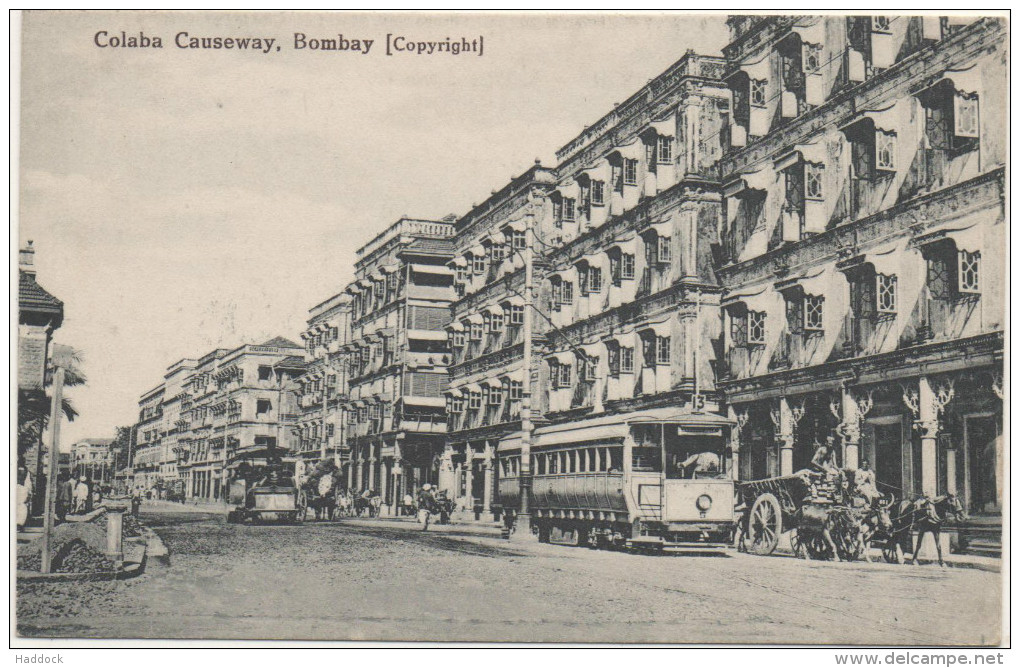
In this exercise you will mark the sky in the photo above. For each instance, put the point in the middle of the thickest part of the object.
(182, 200)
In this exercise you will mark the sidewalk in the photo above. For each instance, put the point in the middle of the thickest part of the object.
(155, 505)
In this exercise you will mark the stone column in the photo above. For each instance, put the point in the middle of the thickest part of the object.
(951, 469)
(489, 464)
(928, 425)
(447, 481)
(469, 474)
(115, 509)
(850, 429)
(373, 480)
(783, 421)
(359, 470)
(734, 439)
(384, 480)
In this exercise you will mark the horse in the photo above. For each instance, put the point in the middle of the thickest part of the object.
(361, 504)
(842, 530)
(927, 515)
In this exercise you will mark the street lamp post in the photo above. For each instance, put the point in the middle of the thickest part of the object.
(522, 529)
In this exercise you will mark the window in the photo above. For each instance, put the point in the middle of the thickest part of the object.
(626, 360)
(812, 57)
(476, 331)
(885, 289)
(616, 177)
(965, 113)
(594, 280)
(613, 358)
(614, 265)
(885, 150)
(495, 395)
(263, 407)
(474, 400)
(582, 280)
(392, 284)
(738, 330)
(457, 339)
(569, 209)
(664, 150)
(478, 264)
(880, 23)
(758, 88)
(813, 313)
(630, 172)
(455, 404)
(497, 252)
(969, 271)
(663, 250)
(265, 373)
(662, 350)
(598, 193)
(591, 366)
(755, 328)
(496, 322)
(560, 374)
(517, 240)
(462, 274)
(515, 391)
(516, 315)
(566, 293)
(813, 180)
(627, 268)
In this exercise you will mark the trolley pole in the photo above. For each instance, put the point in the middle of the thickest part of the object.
(522, 529)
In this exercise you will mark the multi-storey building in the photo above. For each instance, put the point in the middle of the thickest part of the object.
(147, 458)
(397, 358)
(323, 386)
(629, 295)
(93, 458)
(862, 248)
(209, 411)
(486, 329)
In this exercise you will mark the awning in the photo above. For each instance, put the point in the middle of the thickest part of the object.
(594, 349)
(808, 34)
(569, 189)
(492, 382)
(471, 387)
(563, 357)
(426, 335)
(353, 288)
(601, 171)
(749, 300)
(494, 309)
(598, 259)
(663, 328)
(628, 245)
(498, 238)
(458, 261)
(660, 229)
(758, 69)
(815, 283)
(881, 119)
(475, 318)
(455, 326)
(389, 268)
(625, 339)
(377, 276)
(814, 153)
(514, 376)
(663, 128)
(633, 150)
(517, 225)
(887, 259)
(365, 283)
(430, 402)
(477, 251)
(455, 392)
(437, 269)
(966, 236)
(759, 180)
(966, 81)
(514, 300)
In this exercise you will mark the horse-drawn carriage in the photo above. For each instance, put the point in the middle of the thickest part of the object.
(322, 489)
(830, 514)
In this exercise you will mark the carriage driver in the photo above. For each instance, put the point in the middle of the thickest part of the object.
(824, 459)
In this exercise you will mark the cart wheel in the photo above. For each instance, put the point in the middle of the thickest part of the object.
(765, 525)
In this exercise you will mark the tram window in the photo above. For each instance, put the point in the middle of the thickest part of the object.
(615, 459)
(554, 463)
(540, 468)
(646, 459)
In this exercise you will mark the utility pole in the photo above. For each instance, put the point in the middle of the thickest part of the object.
(61, 360)
(522, 530)
(699, 401)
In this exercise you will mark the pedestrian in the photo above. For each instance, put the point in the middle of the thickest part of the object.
(81, 496)
(408, 505)
(65, 495)
(23, 497)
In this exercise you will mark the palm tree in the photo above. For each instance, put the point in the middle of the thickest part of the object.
(34, 406)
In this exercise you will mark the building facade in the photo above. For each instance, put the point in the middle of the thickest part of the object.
(861, 249)
(397, 358)
(210, 411)
(323, 387)
(95, 459)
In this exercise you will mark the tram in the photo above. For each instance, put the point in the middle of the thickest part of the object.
(651, 479)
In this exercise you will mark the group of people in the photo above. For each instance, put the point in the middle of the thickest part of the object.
(73, 497)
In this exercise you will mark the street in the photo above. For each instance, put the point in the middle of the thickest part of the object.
(388, 580)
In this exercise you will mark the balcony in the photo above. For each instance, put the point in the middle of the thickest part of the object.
(419, 423)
